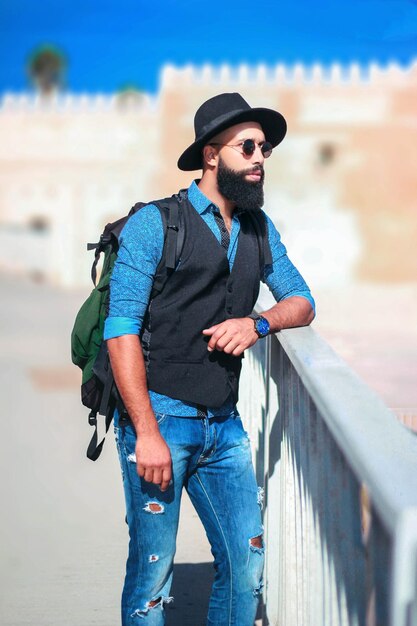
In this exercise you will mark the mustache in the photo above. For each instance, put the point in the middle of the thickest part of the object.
(255, 170)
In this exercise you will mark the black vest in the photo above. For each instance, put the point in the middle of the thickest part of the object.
(200, 293)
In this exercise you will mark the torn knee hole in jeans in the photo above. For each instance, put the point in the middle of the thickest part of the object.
(256, 544)
(153, 507)
(260, 497)
(153, 558)
(258, 590)
(151, 605)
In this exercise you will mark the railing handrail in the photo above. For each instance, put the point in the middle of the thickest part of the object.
(380, 450)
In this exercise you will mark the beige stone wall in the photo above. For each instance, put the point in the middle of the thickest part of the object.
(76, 163)
(351, 144)
(341, 187)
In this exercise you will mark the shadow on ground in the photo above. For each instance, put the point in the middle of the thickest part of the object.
(191, 591)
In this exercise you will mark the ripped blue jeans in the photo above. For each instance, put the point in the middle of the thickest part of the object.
(211, 458)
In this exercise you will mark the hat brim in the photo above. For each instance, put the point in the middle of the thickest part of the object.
(272, 122)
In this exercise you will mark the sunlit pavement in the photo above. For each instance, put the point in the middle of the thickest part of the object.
(64, 538)
(62, 525)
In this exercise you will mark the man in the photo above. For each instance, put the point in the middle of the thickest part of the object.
(184, 429)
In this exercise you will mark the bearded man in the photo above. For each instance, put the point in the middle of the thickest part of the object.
(183, 428)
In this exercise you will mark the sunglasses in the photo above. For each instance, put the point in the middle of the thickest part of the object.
(249, 146)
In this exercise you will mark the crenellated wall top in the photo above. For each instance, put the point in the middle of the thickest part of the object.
(244, 75)
(84, 102)
(239, 76)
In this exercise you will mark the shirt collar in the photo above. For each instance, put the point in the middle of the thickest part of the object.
(197, 198)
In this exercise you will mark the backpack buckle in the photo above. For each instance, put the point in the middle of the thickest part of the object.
(104, 240)
(92, 418)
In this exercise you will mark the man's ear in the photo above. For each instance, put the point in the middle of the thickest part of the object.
(210, 156)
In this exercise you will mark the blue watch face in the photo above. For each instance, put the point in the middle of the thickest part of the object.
(262, 326)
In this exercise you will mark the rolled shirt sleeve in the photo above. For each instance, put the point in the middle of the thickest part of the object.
(282, 277)
(140, 251)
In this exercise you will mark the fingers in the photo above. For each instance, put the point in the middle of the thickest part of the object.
(157, 475)
(162, 478)
(153, 459)
(229, 344)
(225, 339)
(148, 475)
(210, 331)
(166, 479)
(220, 330)
(232, 336)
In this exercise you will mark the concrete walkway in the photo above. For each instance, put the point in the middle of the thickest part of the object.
(64, 539)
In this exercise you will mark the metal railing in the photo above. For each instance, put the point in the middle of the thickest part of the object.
(340, 479)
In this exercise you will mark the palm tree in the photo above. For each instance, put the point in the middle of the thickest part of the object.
(46, 68)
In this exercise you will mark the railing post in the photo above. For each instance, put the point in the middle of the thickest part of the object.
(274, 492)
(266, 431)
(404, 575)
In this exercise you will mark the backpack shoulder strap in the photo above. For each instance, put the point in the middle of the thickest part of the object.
(174, 235)
(169, 209)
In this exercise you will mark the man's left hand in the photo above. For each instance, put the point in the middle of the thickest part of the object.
(232, 336)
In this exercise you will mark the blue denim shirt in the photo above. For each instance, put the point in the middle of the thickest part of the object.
(141, 246)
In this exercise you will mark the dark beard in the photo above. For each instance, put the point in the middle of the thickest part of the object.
(247, 195)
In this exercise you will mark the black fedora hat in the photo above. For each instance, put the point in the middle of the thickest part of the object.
(221, 112)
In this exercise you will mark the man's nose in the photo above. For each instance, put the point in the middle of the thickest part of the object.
(258, 156)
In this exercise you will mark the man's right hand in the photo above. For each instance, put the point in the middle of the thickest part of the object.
(153, 459)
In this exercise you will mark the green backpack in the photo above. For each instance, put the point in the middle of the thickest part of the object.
(88, 350)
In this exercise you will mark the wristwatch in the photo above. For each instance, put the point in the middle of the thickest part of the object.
(261, 324)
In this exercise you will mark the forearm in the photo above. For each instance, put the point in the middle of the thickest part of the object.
(129, 372)
(233, 336)
(289, 313)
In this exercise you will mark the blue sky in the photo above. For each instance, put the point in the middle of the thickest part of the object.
(110, 44)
